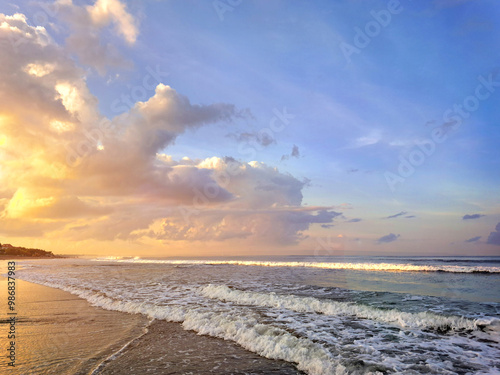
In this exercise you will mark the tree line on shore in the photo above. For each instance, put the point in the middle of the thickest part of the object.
(24, 251)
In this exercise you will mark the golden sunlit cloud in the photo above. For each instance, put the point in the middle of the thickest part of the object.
(70, 97)
(61, 126)
(82, 177)
(105, 11)
(39, 70)
(24, 202)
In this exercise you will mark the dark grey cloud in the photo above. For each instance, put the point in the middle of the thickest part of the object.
(389, 238)
(410, 217)
(327, 226)
(356, 220)
(396, 215)
(494, 237)
(473, 216)
(473, 239)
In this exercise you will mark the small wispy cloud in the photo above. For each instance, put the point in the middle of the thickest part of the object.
(355, 220)
(473, 239)
(402, 213)
(263, 139)
(388, 238)
(473, 216)
(294, 154)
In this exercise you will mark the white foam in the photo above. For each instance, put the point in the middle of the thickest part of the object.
(320, 335)
(403, 267)
(419, 320)
(263, 339)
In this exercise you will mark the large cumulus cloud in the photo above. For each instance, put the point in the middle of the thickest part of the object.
(67, 171)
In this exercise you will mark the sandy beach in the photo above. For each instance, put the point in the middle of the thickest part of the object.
(60, 333)
(93, 317)
(169, 349)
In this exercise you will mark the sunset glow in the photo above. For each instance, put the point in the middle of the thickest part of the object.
(177, 128)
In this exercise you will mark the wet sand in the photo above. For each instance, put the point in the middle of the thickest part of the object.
(59, 333)
(168, 349)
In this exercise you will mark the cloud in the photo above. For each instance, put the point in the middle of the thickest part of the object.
(366, 141)
(473, 216)
(82, 176)
(214, 199)
(473, 239)
(294, 154)
(396, 215)
(284, 226)
(93, 47)
(105, 12)
(263, 139)
(26, 204)
(92, 52)
(388, 238)
(494, 237)
(372, 138)
(410, 217)
(355, 220)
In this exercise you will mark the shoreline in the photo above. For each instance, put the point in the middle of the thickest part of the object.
(58, 332)
(167, 348)
(65, 327)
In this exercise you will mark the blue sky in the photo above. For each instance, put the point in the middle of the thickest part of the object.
(354, 118)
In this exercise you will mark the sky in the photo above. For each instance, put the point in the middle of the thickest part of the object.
(239, 127)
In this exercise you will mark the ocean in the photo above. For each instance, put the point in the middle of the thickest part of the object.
(317, 315)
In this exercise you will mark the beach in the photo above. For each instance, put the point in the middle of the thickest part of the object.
(169, 349)
(60, 333)
(258, 316)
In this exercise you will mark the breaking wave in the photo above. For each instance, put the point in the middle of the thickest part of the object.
(324, 265)
(263, 339)
(421, 320)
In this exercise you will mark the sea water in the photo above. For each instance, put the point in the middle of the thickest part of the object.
(326, 315)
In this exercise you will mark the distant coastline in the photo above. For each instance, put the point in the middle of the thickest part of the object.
(8, 251)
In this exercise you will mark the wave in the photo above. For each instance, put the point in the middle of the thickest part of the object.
(421, 320)
(263, 339)
(403, 267)
(111, 258)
